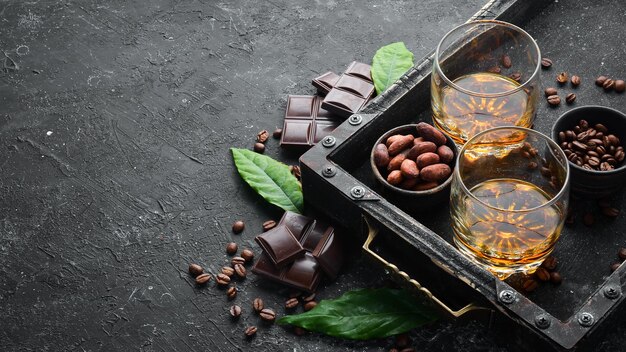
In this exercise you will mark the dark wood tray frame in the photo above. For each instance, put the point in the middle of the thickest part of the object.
(444, 275)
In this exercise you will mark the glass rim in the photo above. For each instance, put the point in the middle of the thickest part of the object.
(487, 95)
(554, 199)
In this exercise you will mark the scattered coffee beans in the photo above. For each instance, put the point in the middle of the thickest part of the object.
(222, 279)
(203, 279)
(277, 133)
(546, 63)
(228, 271)
(608, 84)
(257, 305)
(575, 80)
(570, 98)
(247, 255)
(267, 315)
(237, 260)
(506, 61)
(268, 225)
(262, 136)
(516, 76)
(310, 305)
(235, 311)
(620, 86)
(291, 303)
(562, 78)
(231, 248)
(554, 100)
(542, 274)
(530, 285)
(240, 271)
(600, 81)
(238, 226)
(555, 278)
(231, 292)
(259, 147)
(250, 331)
(195, 270)
(550, 263)
(550, 91)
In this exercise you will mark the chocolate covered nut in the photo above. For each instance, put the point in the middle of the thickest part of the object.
(400, 144)
(395, 177)
(381, 155)
(427, 159)
(435, 173)
(409, 169)
(396, 162)
(430, 133)
(446, 155)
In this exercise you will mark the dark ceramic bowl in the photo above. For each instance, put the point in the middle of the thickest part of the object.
(413, 201)
(591, 183)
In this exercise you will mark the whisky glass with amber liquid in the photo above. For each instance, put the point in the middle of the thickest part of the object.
(485, 75)
(509, 198)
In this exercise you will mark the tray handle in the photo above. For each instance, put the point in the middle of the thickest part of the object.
(372, 231)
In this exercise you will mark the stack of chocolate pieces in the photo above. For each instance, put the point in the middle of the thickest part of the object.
(309, 118)
(298, 251)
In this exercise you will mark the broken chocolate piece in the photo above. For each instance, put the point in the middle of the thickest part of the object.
(352, 91)
(280, 245)
(328, 253)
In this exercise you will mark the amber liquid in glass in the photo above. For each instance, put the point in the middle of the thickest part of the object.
(462, 115)
(498, 232)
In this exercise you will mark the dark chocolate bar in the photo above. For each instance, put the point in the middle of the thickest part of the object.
(303, 274)
(328, 253)
(280, 245)
(352, 92)
(325, 82)
(306, 122)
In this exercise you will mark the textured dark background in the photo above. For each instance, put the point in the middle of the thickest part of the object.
(115, 123)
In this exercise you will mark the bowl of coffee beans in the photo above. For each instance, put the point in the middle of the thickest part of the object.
(592, 138)
(414, 164)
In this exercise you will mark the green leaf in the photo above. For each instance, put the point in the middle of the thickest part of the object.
(364, 314)
(269, 178)
(390, 62)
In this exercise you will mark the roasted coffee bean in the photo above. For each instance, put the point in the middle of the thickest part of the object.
(555, 278)
(526, 154)
(250, 331)
(268, 225)
(506, 61)
(295, 171)
(291, 303)
(546, 63)
(195, 270)
(588, 219)
(262, 136)
(231, 248)
(203, 279)
(235, 311)
(222, 279)
(240, 270)
(494, 69)
(562, 78)
(600, 81)
(620, 86)
(237, 260)
(579, 146)
(545, 171)
(549, 263)
(277, 133)
(542, 274)
(381, 155)
(554, 100)
(550, 91)
(309, 305)
(267, 314)
(247, 255)
(231, 293)
(228, 271)
(238, 226)
(622, 254)
(570, 98)
(516, 76)
(257, 305)
(575, 80)
(259, 147)
(608, 85)
(615, 266)
(530, 285)
(610, 212)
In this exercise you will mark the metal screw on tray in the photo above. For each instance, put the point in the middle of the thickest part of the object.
(355, 120)
(586, 319)
(542, 321)
(611, 292)
(329, 171)
(507, 296)
(357, 192)
(329, 141)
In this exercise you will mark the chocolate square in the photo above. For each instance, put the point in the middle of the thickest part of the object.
(352, 92)
(280, 245)
(303, 273)
(328, 253)
(325, 82)
(311, 238)
(297, 223)
(361, 70)
(306, 122)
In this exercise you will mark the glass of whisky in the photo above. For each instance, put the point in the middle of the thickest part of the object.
(485, 75)
(509, 198)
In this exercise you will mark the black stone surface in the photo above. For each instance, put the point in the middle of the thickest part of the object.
(115, 123)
